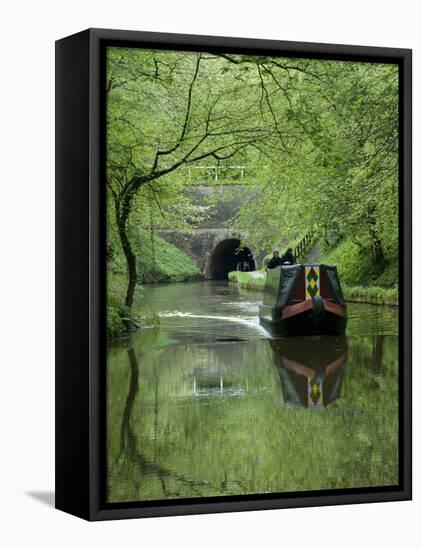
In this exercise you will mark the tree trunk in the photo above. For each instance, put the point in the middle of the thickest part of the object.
(130, 400)
(327, 242)
(376, 244)
(122, 216)
(377, 353)
(377, 251)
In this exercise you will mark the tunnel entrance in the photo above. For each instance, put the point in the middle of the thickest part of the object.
(227, 256)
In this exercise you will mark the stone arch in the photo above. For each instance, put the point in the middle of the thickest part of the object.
(225, 257)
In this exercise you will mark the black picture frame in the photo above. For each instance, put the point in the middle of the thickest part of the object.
(80, 274)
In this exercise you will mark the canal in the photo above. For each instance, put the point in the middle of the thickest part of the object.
(208, 404)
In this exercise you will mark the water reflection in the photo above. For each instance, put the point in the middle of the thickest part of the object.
(200, 408)
(311, 369)
(131, 455)
(208, 385)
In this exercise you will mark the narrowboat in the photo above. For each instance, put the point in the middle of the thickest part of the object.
(311, 369)
(303, 299)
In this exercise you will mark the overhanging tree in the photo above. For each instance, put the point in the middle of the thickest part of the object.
(166, 111)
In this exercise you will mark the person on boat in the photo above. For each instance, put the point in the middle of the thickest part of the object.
(288, 257)
(275, 260)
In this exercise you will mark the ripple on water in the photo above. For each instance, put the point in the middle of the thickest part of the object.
(212, 310)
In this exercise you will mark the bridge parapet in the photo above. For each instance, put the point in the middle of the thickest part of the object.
(202, 242)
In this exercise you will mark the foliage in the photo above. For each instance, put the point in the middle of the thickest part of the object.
(166, 110)
(320, 139)
(247, 280)
(164, 263)
(389, 277)
(364, 294)
(158, 263)
(169, 264)
(342, 177)
(371, 295)
(355, 266)
(119, 320)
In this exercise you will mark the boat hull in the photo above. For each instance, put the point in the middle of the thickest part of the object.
(308, 318)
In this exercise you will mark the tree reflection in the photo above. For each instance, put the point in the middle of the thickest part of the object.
(131, 453)
(207, 420)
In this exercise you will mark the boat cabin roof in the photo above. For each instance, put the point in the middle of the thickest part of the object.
(299, 282)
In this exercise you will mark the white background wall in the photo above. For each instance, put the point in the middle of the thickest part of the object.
(27, 36)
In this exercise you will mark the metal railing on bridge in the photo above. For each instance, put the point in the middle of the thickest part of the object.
(303, 244)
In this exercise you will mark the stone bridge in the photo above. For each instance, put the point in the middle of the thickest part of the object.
(213, 246)
(216, 251)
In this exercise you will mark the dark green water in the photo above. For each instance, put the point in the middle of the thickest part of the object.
(208, 404)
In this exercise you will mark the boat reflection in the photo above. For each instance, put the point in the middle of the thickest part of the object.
(311, 369)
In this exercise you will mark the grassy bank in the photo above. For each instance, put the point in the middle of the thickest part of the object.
(158, 262)
(369, 295)
(120, 320)
(361, 280)
(162, 262)
(254, 280)
(356, 269)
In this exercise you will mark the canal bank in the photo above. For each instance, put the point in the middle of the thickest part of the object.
(255, 280)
